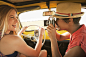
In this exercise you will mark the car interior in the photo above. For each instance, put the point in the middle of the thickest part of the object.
(35, 14)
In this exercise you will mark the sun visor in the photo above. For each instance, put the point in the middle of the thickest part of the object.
(28, 8)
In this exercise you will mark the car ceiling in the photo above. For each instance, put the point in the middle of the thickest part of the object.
(23, 5)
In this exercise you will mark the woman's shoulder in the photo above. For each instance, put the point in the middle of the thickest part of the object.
(9, 42)
(10, 38)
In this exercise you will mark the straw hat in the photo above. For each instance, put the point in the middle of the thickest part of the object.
(68, 10)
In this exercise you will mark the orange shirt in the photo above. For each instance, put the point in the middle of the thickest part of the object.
(78, 38)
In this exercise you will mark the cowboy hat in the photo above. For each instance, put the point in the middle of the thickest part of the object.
(68, 10)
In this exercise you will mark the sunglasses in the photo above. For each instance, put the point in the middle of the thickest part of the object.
(56, 21)
(62, 19)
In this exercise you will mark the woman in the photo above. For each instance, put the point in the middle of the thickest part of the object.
(10, 43)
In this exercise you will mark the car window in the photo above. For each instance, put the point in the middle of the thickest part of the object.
(83, 18)
(36, 18)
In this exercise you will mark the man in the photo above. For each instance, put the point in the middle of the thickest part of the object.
(67, 18)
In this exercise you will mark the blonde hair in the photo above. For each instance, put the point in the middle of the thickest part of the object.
(4, 12)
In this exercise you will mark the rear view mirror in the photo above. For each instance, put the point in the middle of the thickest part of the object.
(48, 13)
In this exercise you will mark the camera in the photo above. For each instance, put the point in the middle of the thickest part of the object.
(51, 20)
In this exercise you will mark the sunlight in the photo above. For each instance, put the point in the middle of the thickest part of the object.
(83, 18)
(36, 16)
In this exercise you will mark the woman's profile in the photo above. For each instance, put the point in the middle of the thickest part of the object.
(10, 43)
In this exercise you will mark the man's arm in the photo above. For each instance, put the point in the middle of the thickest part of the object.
(54, 45)
(64, 36)
(55, 48)
(76, 51)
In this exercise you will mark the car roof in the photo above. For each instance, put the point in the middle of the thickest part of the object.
(26, 5)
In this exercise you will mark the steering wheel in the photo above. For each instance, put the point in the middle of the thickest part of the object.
(36, 35)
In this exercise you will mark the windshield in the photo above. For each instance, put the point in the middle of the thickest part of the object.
(36, 18)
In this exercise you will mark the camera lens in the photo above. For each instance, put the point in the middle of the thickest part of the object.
(47, 22)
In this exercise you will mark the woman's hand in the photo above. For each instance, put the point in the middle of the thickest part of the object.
(41, 31)
(22, 30)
